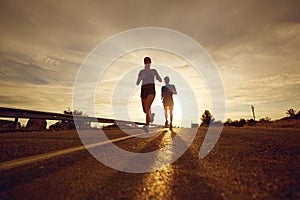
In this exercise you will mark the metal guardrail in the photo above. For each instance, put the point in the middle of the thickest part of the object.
(27, 114)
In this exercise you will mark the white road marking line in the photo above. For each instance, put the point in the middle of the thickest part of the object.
(31, 159)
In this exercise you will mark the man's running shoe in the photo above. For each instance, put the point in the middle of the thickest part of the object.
(166, 124)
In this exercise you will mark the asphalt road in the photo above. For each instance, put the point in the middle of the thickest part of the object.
(245, 164)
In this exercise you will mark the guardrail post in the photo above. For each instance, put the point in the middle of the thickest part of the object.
(16, 124)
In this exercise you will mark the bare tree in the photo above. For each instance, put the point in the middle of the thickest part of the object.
(253, 112)
(68, 111)
(291, 113)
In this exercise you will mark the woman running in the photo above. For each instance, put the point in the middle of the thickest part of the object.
(148, 90)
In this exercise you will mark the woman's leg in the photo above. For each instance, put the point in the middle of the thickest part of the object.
(144, 102)
(149, 101)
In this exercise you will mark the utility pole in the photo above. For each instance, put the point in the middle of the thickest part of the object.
(253, 113)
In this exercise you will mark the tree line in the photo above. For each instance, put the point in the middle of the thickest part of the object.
(208, 119)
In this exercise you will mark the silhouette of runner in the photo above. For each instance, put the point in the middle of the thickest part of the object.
(147, 76)
(167, 92)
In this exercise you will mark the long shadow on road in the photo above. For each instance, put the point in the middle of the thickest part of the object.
(79, 176)
(189, 178)
(184, 179)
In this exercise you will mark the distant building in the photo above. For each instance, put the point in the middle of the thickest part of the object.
(194, 125)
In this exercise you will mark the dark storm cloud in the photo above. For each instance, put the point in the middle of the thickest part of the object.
(217, 22)
(13, 100)
(35, 68)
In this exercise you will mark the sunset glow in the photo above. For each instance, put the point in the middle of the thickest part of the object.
(255, 46)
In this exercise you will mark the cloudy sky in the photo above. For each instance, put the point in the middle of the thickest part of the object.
(254, 44)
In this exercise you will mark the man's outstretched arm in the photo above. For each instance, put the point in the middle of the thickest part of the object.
(174, 90)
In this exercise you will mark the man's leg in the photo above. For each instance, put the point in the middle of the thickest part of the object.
(166, 115)
(171, 116)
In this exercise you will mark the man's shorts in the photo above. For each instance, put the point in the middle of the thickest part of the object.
(168, 104)
(148, 89)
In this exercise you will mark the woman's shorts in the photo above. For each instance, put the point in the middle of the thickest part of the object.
(148, 89)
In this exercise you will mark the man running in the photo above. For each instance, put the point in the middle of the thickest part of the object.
(147, 76)
(167, 92)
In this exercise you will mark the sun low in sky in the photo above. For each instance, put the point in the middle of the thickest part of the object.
(254, 44)
(117, 94)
